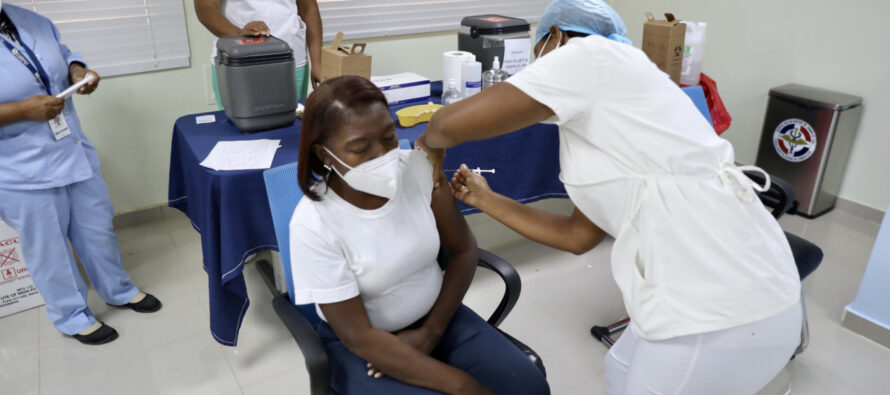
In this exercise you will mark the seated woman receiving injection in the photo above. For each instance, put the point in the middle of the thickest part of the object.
(364, 242)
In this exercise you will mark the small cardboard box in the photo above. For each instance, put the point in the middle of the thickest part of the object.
(337, 60)
(403, 88)
(17, 290)
(663, 42)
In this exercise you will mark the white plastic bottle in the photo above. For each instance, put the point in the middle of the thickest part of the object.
(471, 78)
(451, 94)
(693, 53)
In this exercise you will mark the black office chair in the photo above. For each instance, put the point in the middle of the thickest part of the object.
(807, 256)
(300, 320)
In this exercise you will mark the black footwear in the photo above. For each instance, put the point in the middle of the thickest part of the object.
(149, 304)
(105, 334)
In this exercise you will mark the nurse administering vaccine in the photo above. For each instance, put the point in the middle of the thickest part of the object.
(706, 273)
(51, 191)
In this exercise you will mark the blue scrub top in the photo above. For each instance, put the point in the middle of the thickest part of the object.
(30, 157)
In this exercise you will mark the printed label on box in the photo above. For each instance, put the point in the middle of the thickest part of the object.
(17, 290)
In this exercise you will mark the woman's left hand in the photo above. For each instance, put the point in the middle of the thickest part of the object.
(76, 72)
(422, 339)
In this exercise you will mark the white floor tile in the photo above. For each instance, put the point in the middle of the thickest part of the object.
(172, 352)
(19, 370)
(593, 386)
(295, 381)
(265, 347)
(191, 365)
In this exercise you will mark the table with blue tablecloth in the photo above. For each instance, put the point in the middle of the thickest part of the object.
(231, 212)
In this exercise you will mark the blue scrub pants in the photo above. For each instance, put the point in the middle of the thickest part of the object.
(45, 221)
(469, 344)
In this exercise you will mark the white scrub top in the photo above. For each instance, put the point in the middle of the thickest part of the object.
(386, 255)
(280, 15)
(695, 250)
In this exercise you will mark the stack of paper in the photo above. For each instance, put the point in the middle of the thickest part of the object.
(242, 155)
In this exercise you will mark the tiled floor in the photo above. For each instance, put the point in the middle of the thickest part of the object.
(172, 352)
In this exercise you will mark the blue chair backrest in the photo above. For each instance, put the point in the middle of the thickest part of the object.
(404, 144)
(697, 94)
(284, 195)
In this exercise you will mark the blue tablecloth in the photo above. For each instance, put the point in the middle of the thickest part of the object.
(231, 211)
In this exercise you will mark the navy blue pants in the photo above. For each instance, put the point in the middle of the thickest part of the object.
(469, 344)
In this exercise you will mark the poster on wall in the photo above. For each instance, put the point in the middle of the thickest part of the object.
(17, 290)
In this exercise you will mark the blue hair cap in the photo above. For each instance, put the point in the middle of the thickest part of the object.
(582, 16)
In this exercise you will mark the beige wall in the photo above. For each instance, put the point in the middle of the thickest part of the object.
(755, 45)
(130, 118)
(752, 46)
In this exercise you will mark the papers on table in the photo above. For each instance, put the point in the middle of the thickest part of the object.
(205, 119)
(242, 155)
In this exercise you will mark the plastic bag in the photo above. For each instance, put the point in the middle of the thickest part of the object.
(719, 115)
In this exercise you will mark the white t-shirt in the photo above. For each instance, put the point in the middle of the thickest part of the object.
(641, 162)
(387, 255)
(280, 15)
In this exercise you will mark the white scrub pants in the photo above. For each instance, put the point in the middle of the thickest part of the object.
(45, 221)
(740, 360)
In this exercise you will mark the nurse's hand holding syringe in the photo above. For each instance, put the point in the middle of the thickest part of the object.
(470, 186)
(574, 233)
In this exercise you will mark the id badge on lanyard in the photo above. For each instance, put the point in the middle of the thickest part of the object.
(58, 125)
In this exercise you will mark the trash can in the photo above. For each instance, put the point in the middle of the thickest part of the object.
(807, 136)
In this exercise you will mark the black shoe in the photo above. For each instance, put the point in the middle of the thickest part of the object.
(105, 334)
(149, 304)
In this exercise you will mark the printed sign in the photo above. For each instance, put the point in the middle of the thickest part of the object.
(17, 290)
(516, 55)
(795, 140)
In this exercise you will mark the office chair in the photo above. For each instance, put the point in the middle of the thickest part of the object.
(779, 198)
(300, 320)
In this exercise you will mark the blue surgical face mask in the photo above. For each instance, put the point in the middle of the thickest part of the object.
(558, 43)
(378, 176)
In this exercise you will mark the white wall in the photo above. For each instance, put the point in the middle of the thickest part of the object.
(752, 46)
(130, 118)
(755, 45)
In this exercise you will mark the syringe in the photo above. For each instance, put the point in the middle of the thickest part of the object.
(477, 170)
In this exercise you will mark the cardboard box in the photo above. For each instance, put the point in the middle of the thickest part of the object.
(17, 291)
(403, 88)
(337, 60)
(663, 42)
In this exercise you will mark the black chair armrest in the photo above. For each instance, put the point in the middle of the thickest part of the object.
(779, 197)
(512, 283)
(807, 255)
(317, 363)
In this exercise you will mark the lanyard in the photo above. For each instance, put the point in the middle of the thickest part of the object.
(34, 65)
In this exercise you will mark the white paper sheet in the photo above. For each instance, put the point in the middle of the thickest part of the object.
(205, 119)
(73, 88)
(516, 54)
(242, 155)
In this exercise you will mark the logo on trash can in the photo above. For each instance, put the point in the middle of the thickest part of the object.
(795, 140)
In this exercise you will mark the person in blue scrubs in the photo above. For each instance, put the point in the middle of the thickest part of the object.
(51, 191)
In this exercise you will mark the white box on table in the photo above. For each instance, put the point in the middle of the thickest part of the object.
(17, 290)
(403, 87)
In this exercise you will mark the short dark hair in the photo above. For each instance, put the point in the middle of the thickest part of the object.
(326, 110)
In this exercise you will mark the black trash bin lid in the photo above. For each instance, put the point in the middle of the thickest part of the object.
(816, 97)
